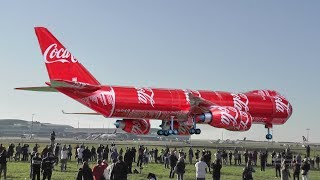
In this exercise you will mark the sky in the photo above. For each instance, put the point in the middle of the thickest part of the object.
(234, 46)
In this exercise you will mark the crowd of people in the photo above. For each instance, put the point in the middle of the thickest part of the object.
(116, 163)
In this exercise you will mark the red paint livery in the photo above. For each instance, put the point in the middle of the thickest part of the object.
(232, 111)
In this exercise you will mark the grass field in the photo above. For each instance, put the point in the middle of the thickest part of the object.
(20, 170)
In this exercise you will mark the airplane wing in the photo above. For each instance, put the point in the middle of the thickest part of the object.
(198, 104)
(93, 113)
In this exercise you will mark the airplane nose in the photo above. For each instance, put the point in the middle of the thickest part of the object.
(290, 110)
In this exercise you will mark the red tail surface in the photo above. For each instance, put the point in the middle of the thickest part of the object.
(60, 63)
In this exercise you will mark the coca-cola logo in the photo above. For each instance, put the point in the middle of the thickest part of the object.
(282, 105)
(240, 102)
(245, 121)
(228, 115)
(145, 96)
(53, 54)
(140, 127)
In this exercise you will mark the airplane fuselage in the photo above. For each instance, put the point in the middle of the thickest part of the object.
(265, 106)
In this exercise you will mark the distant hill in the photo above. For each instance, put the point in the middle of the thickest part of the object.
(13, 121)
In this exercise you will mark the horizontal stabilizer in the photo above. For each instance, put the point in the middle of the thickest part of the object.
(40, 88)
(57, 83)
(93, 113)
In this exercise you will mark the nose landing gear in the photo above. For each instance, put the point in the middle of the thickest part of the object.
(269, 135)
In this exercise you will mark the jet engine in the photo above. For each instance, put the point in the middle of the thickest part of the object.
(134, 126)
(228, 118)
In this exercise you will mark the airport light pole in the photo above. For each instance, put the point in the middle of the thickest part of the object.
(308, 129)
(31, 126)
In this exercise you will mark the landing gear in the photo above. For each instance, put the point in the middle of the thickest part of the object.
(167, 132)
(269, 135)
(194, 130)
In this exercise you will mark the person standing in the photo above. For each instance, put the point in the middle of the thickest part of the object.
(47, 166)
(277, 165)
(80, 155)
(190, 155)
(69, 152)
(120, 170)
(305, 167)
(156, 155)
(173, 161)
(285, 173)
(97, 171)
(247, 172)
(317, 160)
(85, 173)
(18, 152)
(128, 160)
(86, 154)
(216, 169)
(64, 158)
(93, 154)
(230, 157)
(36, 166)
(308, 149)
(201, 167)
(52, 138)
(296, 170)
(3, 163)
(180, 168)
(108, 170)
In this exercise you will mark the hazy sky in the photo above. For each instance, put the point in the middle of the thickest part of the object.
(217, 45)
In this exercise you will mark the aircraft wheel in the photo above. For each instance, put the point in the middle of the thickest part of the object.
(198, 131)
(166, 133)
(160, 132)
(170, 131)
(269, 136)
(175, 132)
(192, 131)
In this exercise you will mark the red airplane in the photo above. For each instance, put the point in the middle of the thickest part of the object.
(180, 110)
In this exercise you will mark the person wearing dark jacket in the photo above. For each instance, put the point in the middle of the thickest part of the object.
(216, 168)
(36, 166)
(119, 170)
(128, 159)
(86, 154)
(3, 163)
(305, 167)
(47, 166)
(173, 161)
(85, 173)
(247, 172)
(180, 168)
(296, 170)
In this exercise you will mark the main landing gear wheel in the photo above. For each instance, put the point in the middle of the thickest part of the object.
(160, 132)
(269, 136)
(167, 132)
(194, 131)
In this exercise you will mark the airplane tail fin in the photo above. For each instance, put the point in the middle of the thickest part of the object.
(60, 63)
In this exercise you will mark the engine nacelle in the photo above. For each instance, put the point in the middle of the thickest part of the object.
(134, 126)
(228, 118)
